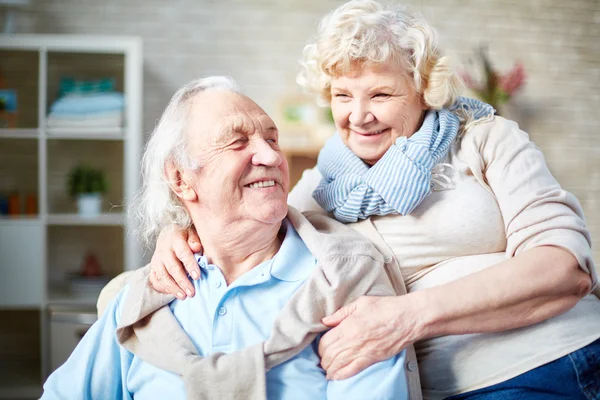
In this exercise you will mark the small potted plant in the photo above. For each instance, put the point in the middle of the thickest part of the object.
(87, 185)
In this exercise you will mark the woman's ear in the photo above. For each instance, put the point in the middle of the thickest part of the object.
(180, 182)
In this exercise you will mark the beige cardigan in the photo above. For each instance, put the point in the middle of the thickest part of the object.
(348, 266)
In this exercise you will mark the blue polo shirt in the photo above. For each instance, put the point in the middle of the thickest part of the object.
(221, 318)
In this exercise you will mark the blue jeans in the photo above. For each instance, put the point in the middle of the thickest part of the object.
(574, 376)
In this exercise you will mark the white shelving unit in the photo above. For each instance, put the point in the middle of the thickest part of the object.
(37, 251)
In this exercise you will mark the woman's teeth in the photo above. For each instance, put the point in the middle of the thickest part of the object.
(261, 184)
(374, 133)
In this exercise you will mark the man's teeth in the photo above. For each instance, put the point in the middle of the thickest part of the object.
(261, 184)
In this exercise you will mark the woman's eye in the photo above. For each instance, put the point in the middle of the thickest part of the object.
(341, 95)
(382, 95)
(274, 141)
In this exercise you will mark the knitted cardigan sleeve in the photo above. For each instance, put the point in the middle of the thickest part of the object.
(536, 210)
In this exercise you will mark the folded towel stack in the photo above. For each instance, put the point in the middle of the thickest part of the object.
(87, 104)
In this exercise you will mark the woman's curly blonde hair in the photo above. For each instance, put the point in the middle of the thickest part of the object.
(366, 32)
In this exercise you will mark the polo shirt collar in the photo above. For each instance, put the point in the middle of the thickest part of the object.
(293, 261)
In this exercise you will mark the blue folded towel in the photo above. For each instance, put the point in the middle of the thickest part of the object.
(72, 86)
(84, 104)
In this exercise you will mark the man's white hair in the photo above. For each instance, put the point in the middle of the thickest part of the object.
(367, 32)
(156, 206)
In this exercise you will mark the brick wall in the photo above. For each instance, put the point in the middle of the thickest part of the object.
(259, 41)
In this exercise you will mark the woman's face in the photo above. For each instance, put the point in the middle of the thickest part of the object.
(372, 106)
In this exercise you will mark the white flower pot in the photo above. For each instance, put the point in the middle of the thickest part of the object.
(89, 205)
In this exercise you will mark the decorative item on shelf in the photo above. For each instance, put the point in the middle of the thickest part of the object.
(14, 204)
(491, 86)
(90, 279)
(87, 185)
(3, 204)
(8, 108)
(31, 207)
(89, 104)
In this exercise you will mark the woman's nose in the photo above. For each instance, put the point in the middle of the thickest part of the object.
(360, 114)
(265, 155)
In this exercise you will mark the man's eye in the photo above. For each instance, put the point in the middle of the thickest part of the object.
(274, 141)
(382, 95)
(341, 95)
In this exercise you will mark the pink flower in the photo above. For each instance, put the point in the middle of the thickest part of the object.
(513, 80)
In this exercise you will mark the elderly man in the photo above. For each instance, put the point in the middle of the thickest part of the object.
(267, 274)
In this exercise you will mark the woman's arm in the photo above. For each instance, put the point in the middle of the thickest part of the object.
(506, 296)
(529, 288)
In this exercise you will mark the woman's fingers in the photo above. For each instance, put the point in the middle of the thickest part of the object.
(194, 240)
(325, 346)
(338, 316)
(177, 274)
(155, 282)
(335, 353)
(349, 370)
(342, 358)
(164, 282)
(372, 329)
(186, 257)
(173, 260)
(334, 320)
(167, 270)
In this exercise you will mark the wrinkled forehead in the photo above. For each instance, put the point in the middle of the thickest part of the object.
(244, 123)
(219, 114)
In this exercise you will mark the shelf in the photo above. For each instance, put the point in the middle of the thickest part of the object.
(19, 133)
(57, 240)
(106, 219)
(86, 133)
(73, 43)
(20, 220)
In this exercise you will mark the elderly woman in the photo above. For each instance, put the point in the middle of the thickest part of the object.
(494, 254)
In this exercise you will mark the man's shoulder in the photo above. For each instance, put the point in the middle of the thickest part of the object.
(326, 237)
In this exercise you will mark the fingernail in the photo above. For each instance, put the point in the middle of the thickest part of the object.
(195, 275)
(189, 292)
(180, 295)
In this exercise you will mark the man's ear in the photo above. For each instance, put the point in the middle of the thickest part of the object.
(180, 182)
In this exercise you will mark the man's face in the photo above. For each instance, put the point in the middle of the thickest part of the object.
(243, 174)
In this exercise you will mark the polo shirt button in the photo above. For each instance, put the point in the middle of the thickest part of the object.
(222, 311)
(411, 365)
(387, 259)
(218, 284)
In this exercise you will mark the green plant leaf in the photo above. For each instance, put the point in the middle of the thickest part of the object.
(86, 179)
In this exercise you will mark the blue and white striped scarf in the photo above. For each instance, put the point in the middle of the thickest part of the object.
(396, 184)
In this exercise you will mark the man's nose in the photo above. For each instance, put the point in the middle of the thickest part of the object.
(264, 154)
(360, 113)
